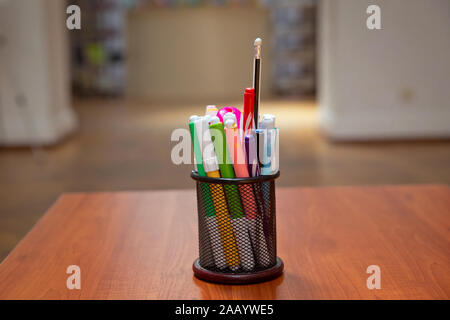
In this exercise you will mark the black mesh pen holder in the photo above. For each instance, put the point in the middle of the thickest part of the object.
(237, 229)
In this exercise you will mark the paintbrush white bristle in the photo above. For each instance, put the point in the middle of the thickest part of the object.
(257, 45)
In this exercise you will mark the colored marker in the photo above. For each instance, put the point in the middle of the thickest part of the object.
(222, 112)
(249, 102)
(197, 150)
(251, 154)
(211, 110)
(237, 153)
(264, 151)
(232, 194)
(212, 170)
(211, 221)
(275, 161)
(257, 229)
(268, 123)
(263, 146)
(245, 190)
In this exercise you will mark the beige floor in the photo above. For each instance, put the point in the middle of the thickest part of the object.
(126, 146)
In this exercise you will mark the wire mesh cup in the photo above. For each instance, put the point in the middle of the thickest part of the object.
(237, 229)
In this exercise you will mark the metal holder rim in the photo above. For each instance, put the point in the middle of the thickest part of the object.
(262, 178)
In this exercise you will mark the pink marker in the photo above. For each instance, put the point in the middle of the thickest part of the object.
(235, 147)
(234, 111)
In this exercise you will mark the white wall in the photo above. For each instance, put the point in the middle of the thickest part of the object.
(196, 54)
(392, 83)
(34, 61)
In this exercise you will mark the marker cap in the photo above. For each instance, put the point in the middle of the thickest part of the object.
(229, 120)
(214, 120)
(249, 91)
(225, 110)
(193, 118)
(210, 164)
(267, 122)
(211, 110)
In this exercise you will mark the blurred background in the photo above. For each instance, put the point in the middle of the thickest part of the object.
(93, 109)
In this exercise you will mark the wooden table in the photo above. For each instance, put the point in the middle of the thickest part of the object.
(141, 245)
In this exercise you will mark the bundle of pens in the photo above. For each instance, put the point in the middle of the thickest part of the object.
(236, 163)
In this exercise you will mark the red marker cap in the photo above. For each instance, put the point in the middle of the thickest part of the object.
(249, 103)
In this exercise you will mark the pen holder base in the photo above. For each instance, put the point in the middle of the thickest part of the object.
(238, 278)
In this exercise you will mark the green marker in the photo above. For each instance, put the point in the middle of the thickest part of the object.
(217, 251)
(196, 145)
(200, 169)
(221, 147)
(225, 167)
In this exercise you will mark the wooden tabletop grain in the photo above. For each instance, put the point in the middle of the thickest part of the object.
(141, 245)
